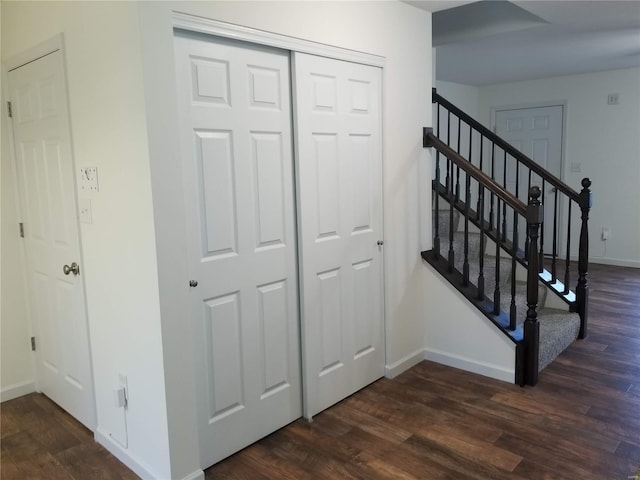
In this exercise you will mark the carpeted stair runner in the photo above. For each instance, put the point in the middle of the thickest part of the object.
(558, 328)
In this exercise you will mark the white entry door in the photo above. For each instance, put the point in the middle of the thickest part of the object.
(339, 168)
(45, 171)
(536, 132)
(235, 112)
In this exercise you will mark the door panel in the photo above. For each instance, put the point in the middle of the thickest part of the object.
(536, 132)
(235, 113)
(48, 206)
(339, 167)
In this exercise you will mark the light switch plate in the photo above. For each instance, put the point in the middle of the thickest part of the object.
(88, 179)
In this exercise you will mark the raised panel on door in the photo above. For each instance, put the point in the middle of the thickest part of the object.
(339, 168)
(46, 188)
(536, 132)
(236, 150)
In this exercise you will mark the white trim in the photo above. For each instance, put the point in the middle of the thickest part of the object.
(34, 53)
(17, 390)
(469, 365)
(197, 475)
(193, 23)
(404, 364)
(615, 262)
(123, 455)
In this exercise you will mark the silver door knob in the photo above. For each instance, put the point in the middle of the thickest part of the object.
(74, 268)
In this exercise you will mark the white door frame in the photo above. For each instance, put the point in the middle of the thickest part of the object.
(217, 28)
(55, 43)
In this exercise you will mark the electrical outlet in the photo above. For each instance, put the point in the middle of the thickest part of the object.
(613, 99)
(84, 210)
(605, 233)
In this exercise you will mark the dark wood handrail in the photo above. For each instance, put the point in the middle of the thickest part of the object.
(430, 140)
(511, 150)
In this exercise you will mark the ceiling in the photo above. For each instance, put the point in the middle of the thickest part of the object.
(487, 42)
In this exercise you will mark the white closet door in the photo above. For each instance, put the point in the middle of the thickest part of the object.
(339, 169)
(235, 112)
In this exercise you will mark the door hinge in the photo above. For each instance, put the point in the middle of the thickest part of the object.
(21, 229)
(9, 111)
(33, 344)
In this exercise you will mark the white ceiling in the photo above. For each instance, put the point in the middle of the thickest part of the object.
(570, 36)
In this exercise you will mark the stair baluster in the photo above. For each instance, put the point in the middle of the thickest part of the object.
(481, 255)
(568, 259)
(582, 290)
(491, 211)
(478, 214)
(467, 204)
(531, 324)
(458, 168)
(513, 311)
(451, 208)
(541, 254)
(496, 291)
(504, 204)
(436, 236)
(554, 273)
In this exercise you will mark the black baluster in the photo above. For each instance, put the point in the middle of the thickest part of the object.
(531, 324)
(541, 254)
(496, 291)
(478, 215)
(504, 204)
(582, 290)
(467, 203)
(436, 237)
(450, 196)
(481, 255)
(513, 309)
(555, 235)
(491, 211)
(458, 168)
(568, 259)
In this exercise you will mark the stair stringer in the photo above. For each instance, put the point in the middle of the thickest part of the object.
(460, 336)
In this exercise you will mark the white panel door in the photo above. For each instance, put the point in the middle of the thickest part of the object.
(48, 207)
(235, 112)
(536, 132)
(339, 168)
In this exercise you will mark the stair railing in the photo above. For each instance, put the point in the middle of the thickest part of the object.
(509, 168)
(532, 214)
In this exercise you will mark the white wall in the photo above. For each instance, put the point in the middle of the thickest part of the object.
(462, 96)
(395, 30)
(604, 138)
(108, 131)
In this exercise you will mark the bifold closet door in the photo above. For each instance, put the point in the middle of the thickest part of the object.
(339, 170)
(235, 116)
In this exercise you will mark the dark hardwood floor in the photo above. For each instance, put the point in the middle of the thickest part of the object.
(582, 421)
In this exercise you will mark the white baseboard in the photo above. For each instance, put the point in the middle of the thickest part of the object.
(197, 475)
(615, 262)
(17, 390)
(492, 371)
(404, 364)
(121, 454)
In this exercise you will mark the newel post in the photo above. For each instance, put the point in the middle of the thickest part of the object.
(582, 290)
(531, 324)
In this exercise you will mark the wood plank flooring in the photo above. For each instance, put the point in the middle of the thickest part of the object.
(582, 421)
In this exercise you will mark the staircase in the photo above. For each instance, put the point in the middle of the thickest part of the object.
(489, 238)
